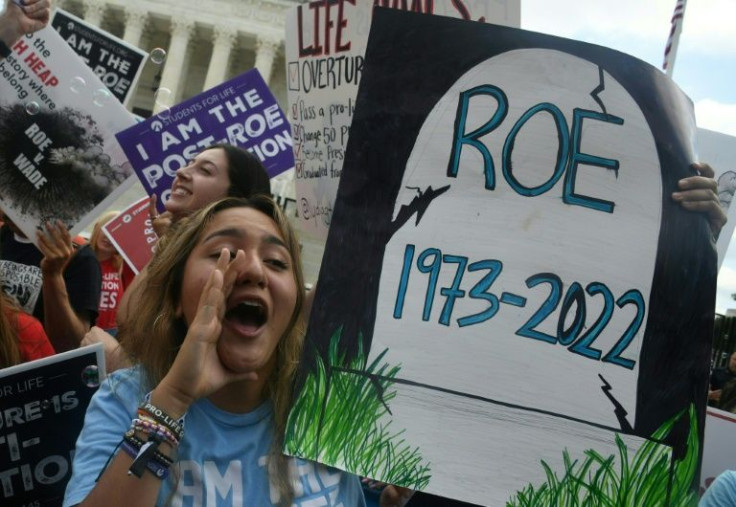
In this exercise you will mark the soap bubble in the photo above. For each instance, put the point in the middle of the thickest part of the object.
(91, 375)
(162, 102)
(77, 84)
(158, 56)
(101, 97)
(164, 113)
(162, 97)
(32, 108)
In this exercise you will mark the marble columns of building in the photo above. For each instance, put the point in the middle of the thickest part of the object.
(93, 12)
(223, 40)
(135, 23)
(139, 21)
(266, 49)
(181, 32)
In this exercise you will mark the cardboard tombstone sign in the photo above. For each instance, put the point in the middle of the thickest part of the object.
(509, 292)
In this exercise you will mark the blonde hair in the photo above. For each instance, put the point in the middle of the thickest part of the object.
(153, 338)
(117, 260)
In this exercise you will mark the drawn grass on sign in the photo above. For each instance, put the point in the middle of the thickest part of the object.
(336, 419)
(641, 479)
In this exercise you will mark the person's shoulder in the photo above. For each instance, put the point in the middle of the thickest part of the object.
(83, 260)
(720, 372)
(17, 251)
(125, 384)
(32, 340)
(721, 492)
(85, 251)
(130, 376)
(28, 324)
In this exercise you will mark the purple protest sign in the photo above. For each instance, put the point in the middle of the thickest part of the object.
(241, 111)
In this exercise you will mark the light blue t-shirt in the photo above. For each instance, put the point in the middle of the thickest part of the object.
(222, 459)
(721, 492)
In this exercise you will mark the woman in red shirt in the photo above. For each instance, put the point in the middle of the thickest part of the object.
(22, 337)
(111, 265)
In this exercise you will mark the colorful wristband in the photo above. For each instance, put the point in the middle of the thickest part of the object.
(147, 409)
(149, 426)
(158, 469)
(137, 443)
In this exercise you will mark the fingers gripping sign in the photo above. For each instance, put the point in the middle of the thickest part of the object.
(160, 222)
(152, 211)
(56, 245)
(25, 16)
(700, 194)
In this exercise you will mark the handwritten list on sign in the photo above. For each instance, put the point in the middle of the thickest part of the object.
(325, 45)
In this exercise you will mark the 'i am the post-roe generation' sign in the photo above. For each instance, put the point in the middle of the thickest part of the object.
(241, 111)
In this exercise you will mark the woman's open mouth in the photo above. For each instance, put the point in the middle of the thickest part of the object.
(248, 315)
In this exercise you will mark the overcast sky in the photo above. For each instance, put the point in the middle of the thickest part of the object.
(705, 67)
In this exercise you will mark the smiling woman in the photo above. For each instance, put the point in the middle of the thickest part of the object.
(216, 341)
(222, 170)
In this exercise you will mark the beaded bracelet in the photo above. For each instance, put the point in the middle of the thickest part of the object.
(149, 426)
(147, 409)
(159, 427)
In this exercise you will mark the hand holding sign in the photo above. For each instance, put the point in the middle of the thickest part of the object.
(56, 245)
(26, 16)
(700, 193)
(160, 221)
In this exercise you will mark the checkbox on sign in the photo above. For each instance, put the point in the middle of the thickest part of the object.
(294, 76)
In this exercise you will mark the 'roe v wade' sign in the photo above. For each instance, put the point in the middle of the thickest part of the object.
(59, 159)
(241, 111)
(325, 47)
(508, 275)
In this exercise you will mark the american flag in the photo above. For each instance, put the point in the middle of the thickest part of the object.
(670, 50)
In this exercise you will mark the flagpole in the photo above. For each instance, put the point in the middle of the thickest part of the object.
(670, 50)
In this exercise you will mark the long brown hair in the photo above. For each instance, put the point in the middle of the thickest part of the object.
(9, 350)
(153, 338)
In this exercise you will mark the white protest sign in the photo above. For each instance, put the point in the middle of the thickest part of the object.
(59, 159)
(719, 150)
(325, 48)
